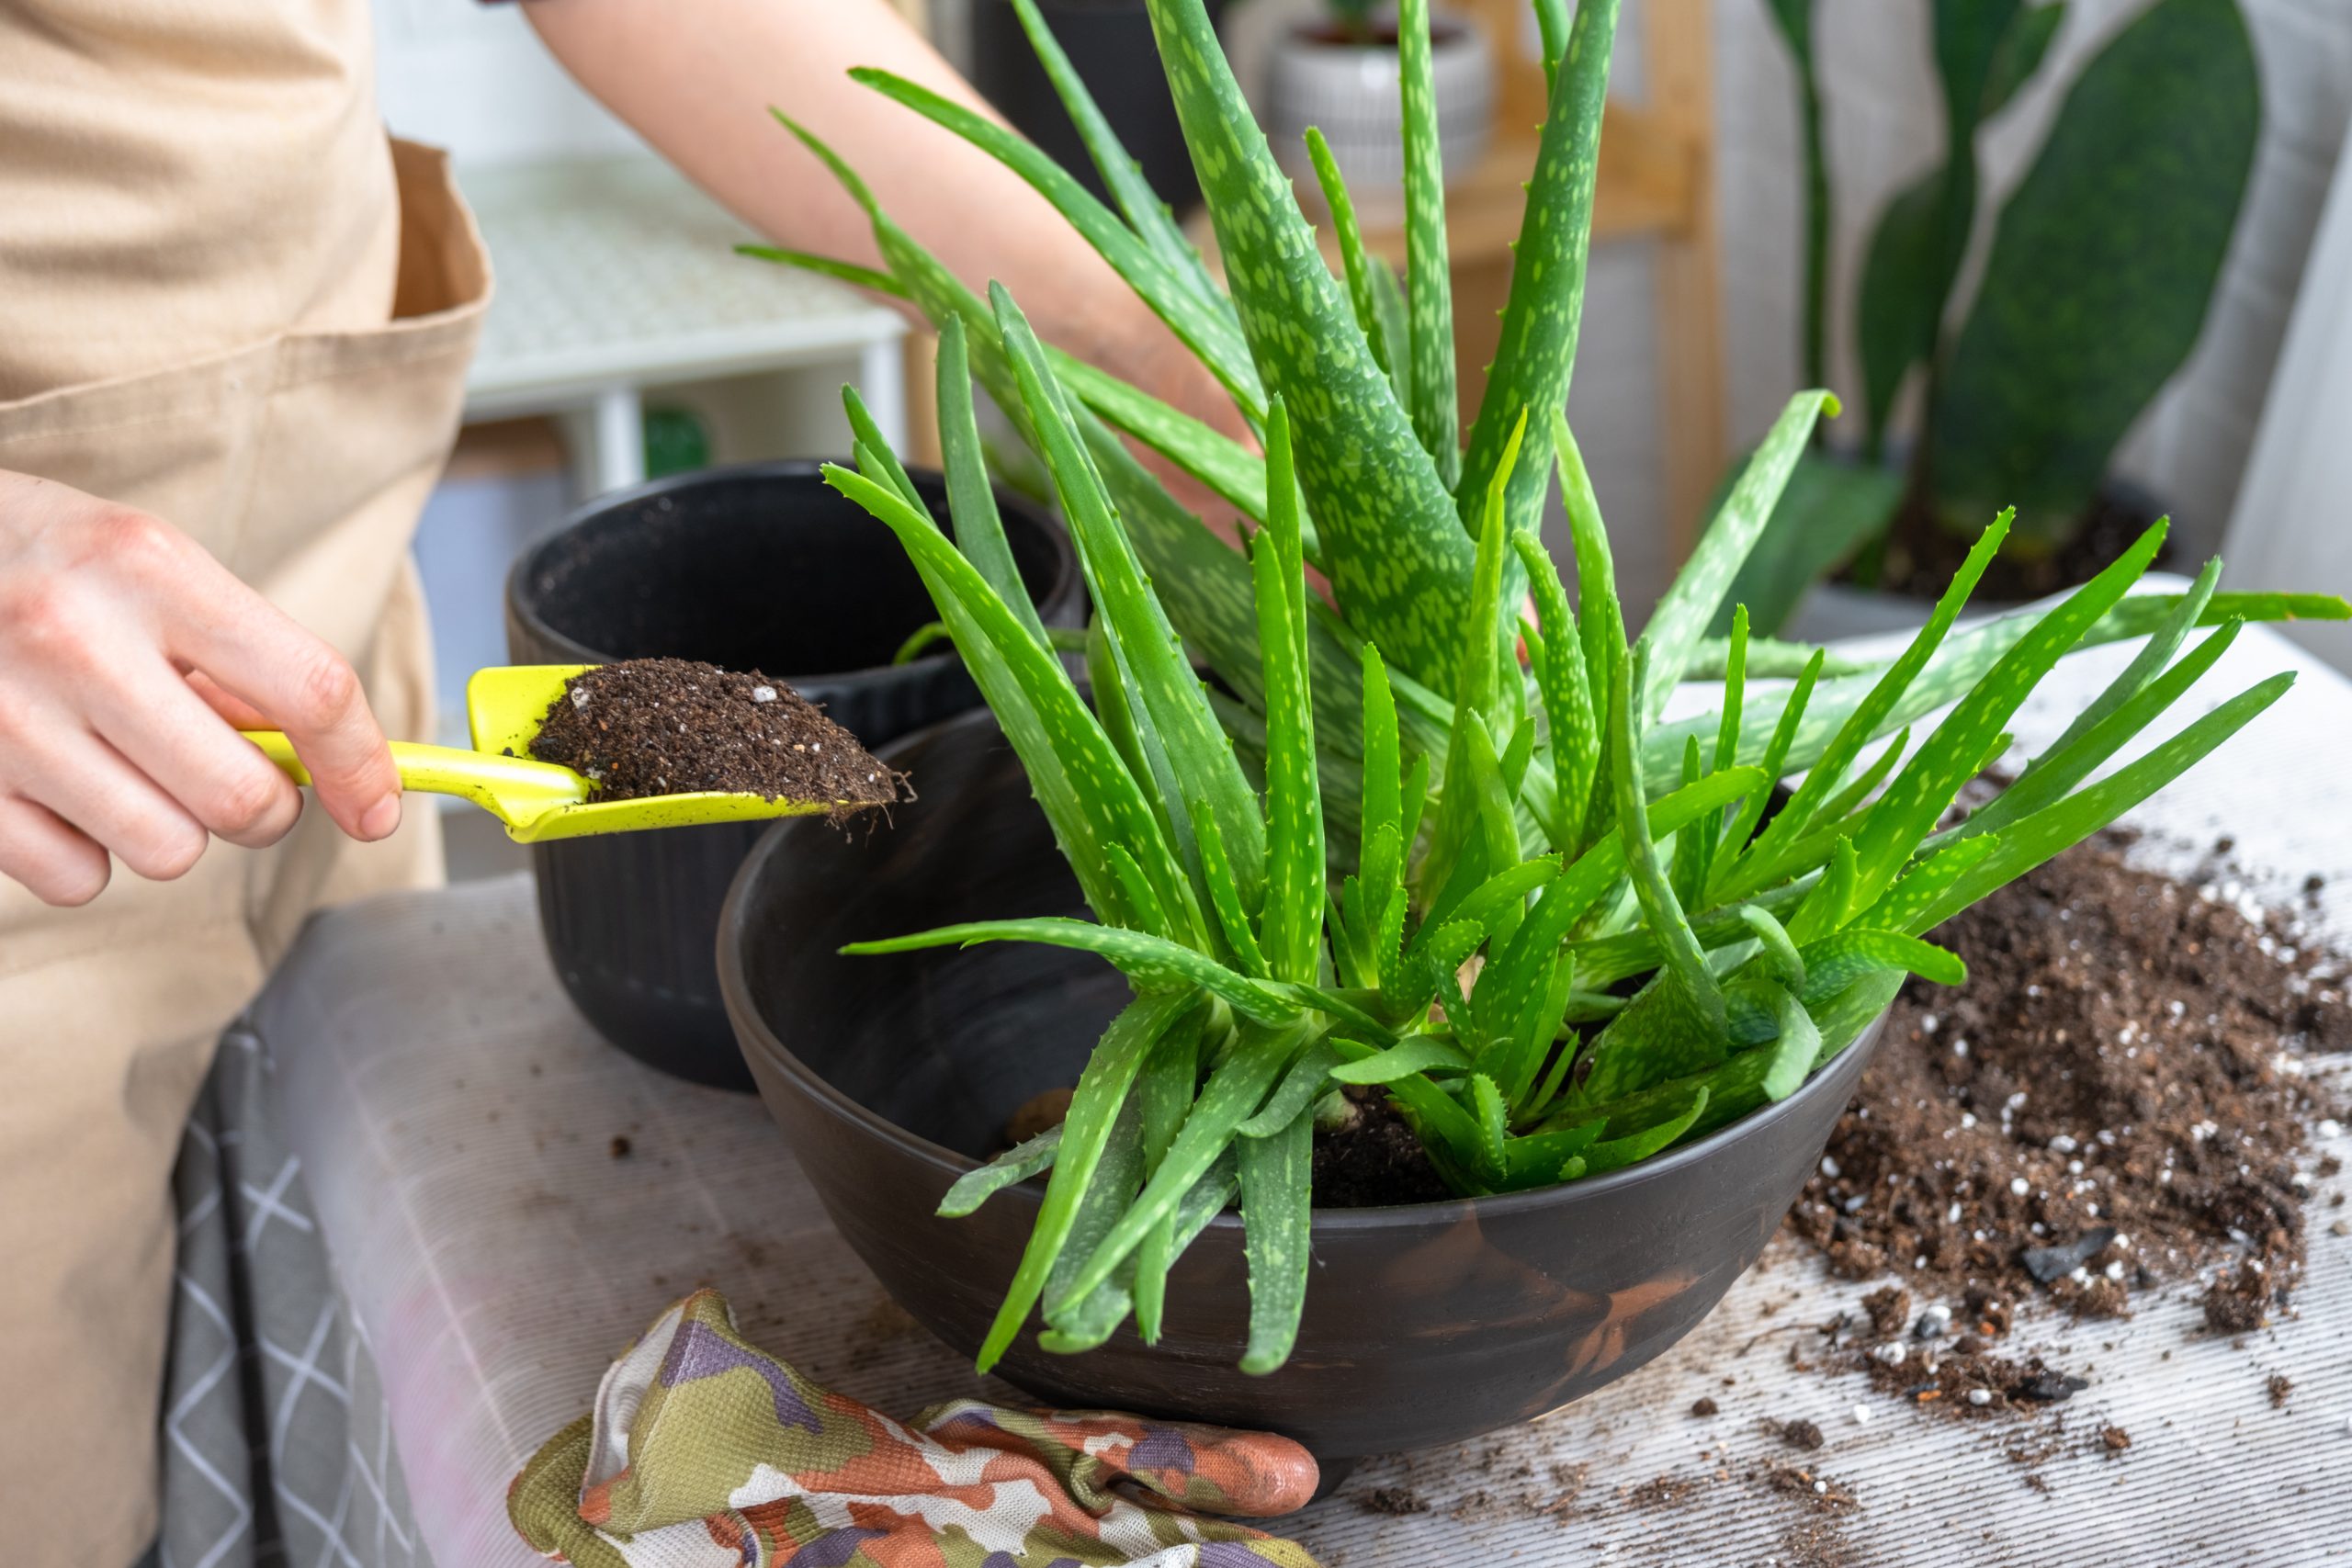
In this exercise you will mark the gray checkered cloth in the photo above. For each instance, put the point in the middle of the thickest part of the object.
(277, 1448)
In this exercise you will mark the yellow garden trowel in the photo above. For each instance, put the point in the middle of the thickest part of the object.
(538, 801)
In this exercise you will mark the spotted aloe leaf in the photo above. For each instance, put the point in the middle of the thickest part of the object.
(1430, 294)
(1546, 308)
(1397, 556)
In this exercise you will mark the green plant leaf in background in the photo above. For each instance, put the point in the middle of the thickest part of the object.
(1795, 19)
(1915, 253)
(2101, 268)
(1831, 508)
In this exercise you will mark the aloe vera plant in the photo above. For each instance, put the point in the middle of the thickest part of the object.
(1547, 919)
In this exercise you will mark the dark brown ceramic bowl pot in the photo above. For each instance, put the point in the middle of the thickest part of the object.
(756, 566)
(1426, 1324)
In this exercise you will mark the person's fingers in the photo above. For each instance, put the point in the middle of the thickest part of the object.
(150, 715)
(92, 785)
(238, 712)
(57, 862)
(257, 653)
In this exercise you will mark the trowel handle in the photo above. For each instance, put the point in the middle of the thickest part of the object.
(492, 781)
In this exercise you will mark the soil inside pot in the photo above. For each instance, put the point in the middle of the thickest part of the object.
(1922, 555)
(654, 726)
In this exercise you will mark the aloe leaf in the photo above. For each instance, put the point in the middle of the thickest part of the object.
(1414, 1054)
(1381, 859)
(1293, 927)
(1688, 607)
(1684, 959)
(1779, 946)
(1961, 662)
(1234, 1090)
(1832, 507)
(2145, 666)
(971, 499)
(2102, 267)
(1769, 659)
(1198, 753)
(1553, 19)
(1863, 722)
(1537, 349)
(1116, 1177)
(1794, 1051)
(1601, 620)
(1429, 284)
(1436, 955)
(1207, 332)
(1395, 331)
(866, 439)
(1016, 1164)
(1616, 1154)
(1163, 1095)
(1202, 1203)
(2060, 768)
(2028, 843)
(1566, 690)
(1150, 917)
(1277, 1217)
(1080, 781)
(1094, 1106)
(1357, 265)
(828, 266)
(1536, 1160)
(1957, 751)
(1395, 553)
(1453, 1136)
(1901, 906)
(1854, 794)
(1210, 455)
(1149, 961)
(1145, 213)
(1838, 961)
(1301, 1087)
(1225, 895)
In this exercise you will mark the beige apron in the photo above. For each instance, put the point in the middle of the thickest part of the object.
(226, 300)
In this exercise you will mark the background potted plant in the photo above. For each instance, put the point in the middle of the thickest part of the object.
(2099, 268)
(1339, 72)
(1377, 811)
(754, 566)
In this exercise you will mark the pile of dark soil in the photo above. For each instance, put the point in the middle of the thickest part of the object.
(653, 726)
(2116, 1099)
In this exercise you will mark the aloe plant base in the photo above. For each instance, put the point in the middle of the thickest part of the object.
(1426, 1324)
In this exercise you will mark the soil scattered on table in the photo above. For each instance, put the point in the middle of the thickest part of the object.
(655, 727)
(2116, 1099)
(1799, 1434)
(1393, 1500)
(2278, 1386)
(1703, 1407)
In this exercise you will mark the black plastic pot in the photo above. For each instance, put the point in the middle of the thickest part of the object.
(1425, 1323)
(759, 565)
(1110, 46)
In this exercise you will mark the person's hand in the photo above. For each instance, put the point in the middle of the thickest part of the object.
(129, 660)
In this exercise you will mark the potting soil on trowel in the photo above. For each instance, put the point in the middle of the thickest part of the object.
(653, 727)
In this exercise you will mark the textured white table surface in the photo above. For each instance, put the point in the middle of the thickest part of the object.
(456, 1120)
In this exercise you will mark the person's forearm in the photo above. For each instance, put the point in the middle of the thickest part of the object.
(698, 81)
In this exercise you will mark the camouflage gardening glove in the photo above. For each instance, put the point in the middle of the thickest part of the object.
(703, 1452)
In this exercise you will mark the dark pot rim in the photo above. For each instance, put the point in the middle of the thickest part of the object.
(751, 1026)
(524, 605)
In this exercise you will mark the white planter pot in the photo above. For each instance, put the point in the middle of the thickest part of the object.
(1348, 92)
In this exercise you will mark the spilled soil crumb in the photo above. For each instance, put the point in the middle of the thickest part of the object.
(1662, 1492)
(2278, 1386)
(1393, 1500)
(1703, 1407)
(655, 727)
(1796, 1434)
(2114, 1439)
(2115, 1099)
